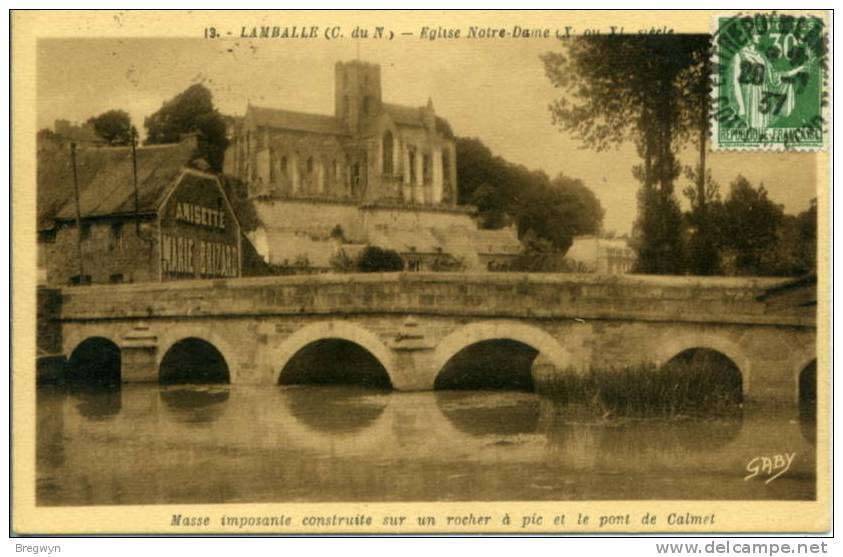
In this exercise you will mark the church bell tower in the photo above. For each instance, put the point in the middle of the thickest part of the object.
(357, 92)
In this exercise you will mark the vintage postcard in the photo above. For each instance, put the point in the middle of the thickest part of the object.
(425, 272)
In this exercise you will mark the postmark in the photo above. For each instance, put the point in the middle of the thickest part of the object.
(769, 82)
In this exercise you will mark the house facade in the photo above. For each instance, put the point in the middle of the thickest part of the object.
(179, 225)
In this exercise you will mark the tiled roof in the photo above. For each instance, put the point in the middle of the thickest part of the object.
(404, 115)
(105, 179)
(301, 121)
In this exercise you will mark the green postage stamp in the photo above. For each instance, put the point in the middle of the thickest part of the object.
(769, 82)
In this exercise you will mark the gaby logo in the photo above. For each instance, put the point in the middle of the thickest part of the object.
(772, 466)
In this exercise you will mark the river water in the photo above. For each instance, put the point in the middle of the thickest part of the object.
(143, 444)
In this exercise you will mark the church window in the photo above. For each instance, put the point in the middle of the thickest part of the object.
(284, 166)
(355, 179)
(426, 168)
(412, 162)
(367, 105)
(310, 165)
(387, 154)
(446, 167)
(335, 170)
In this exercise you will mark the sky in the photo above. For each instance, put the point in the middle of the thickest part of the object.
(496, 91)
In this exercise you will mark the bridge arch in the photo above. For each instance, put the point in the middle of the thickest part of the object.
(96, 360)
(802, 365)
(479, 332)
(806, 382)
(173, 333)
(674, 346)
(332, 330)
(193, 359)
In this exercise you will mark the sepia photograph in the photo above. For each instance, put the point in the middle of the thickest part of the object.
(408, 272)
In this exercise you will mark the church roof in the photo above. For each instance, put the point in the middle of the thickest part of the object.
(106, 185)
(404, 115)
(300, 121)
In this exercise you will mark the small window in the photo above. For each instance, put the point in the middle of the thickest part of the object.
(116, 236)
(47, 236)
(310, 165)
(86, 231)
(76, 280)
(116, 278)
(284, 166)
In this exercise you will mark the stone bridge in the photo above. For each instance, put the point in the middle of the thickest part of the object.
(414, 324)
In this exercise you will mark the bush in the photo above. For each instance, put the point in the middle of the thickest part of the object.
(378, 260)
(341, 262)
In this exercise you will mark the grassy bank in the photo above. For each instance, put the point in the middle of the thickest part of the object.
(685, 387)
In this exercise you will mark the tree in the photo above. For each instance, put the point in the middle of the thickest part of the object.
(703, 193)
(114, 126)
(621, 88)
(45, 134)
(806, 223)
(491, 207)
(583, 210)
(795, 253)
(476, 166)
(702, 246)
(539, 256)
(750, 225)
(191, 111)
(503, 192)
(558, 211)
(378, 260)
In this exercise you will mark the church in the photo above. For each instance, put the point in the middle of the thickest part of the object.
(373, 173)
(369, 150)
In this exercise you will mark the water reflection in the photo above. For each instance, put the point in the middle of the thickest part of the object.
(195, 404)
(335, 409)
(668, 437)
(97, 402)
(490, 413)
(151, 444)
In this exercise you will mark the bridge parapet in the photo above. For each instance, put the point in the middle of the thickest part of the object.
(487, 295)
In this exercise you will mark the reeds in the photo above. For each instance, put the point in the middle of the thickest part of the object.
(675, 389)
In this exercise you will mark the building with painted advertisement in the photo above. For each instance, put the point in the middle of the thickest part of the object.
(182, 227)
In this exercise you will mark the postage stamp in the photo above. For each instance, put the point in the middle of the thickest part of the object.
(769, 82)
